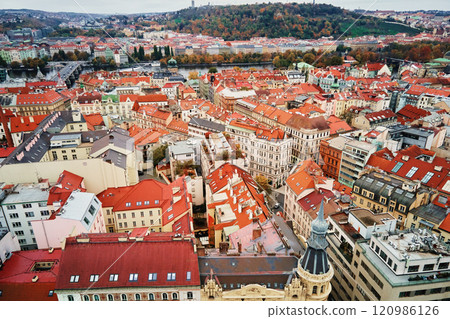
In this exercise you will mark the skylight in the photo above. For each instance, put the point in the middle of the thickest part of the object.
(397, 167)
(427, 177)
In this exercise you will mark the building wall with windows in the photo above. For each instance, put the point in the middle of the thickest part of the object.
(388, 193)
(81, 213)
(382, 266)
(26, 203)
(147, 271)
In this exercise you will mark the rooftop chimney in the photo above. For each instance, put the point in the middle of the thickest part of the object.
(239, 247)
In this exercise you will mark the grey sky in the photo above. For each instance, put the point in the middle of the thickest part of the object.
(137, 6)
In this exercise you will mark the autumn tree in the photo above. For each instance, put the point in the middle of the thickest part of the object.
(263, 184)
(193, 75)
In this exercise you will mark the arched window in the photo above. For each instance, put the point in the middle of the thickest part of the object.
(86, 298)
(164, 296)
(321, 289)
(110, 298)
(314, 291)
(124, 297)
(174, 296)
(96, 298)
(190, 295)
(151, 297)
(70, 298)
(137, 297)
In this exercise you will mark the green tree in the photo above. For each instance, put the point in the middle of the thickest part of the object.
(3, 62)
(212, 70)
(15, 65)
(141, 53)
(159, 154)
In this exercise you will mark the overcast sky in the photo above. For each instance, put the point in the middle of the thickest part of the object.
(139, 6)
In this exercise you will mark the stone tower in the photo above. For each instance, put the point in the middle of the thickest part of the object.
(314, 270)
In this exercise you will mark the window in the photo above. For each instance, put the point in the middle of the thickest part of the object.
(14, 215)
(22, 241)
(45, 213)
(86, 298)
(110, 297)
(413, 268)
(86, 220)
(137, 297)
(314, 291)
(134, 224)
(443, 266)
(50, 293)
(96, 298)
(411, 172)
(151, 297)
(29, 214)
(383, 200)
(420, 292)
(170, 276)
(123, 297)
(70, 298)
(128, 204)
(133, 277)
(356, 189)
(152, 277)
(26, 205)
(146, 202)
(174, 296)
(138, 203)
(156, 201)
(397, 167)
(190, 295)
(92, 210)
(428, 267)
(19, 233)
(142, 214)
(402, 208)
(427, 177)
(164, 296)
(170, 217)
(10, 207)
(17, 224)
(113, 277)
(74, 278)
(93, 278)
(188, 275)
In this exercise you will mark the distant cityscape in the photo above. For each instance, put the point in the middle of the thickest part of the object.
(139, 162)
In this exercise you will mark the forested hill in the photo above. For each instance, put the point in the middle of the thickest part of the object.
(273, 20)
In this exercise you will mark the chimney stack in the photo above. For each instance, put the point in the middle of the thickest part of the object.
(239, 247)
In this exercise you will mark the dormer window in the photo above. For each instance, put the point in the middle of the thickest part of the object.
(74, 278)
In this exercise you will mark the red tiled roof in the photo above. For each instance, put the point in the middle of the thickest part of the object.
(152, 98)
(66, 184)
(413, 113)
(157, 253)
(93, 120)
(306, 176)
(48, 97)
(150, 193)
(381, 115)
(5, 152)
(30, 123)
(17, 274)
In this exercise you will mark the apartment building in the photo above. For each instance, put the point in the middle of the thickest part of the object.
(23, 204)
(370, 121)
(374, 262)
(355, 155)
(268, 150)
(38, 103)
(149, 203)
(388, 193)
(307, 134)
(146, 272)
(330, 150)
(306, 187)
(81, 213)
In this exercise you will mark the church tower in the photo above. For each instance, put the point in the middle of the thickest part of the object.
(314, 270)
